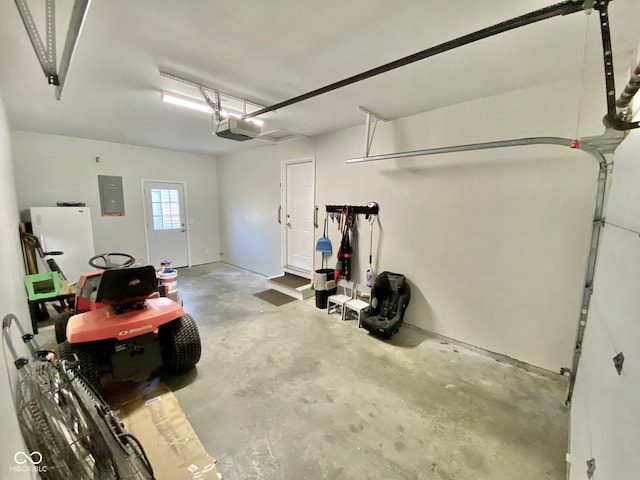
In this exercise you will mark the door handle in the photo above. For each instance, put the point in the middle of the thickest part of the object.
(315, 216)
(279, 213)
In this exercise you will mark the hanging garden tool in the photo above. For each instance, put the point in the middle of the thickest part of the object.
(349, 224)
(324, 244)
(339, 270)
(372, 218)
(346, 253)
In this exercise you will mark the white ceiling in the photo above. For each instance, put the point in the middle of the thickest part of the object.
(269, 51)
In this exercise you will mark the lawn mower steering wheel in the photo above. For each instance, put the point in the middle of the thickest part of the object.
(108, 263)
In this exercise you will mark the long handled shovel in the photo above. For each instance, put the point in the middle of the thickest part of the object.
(370, 269)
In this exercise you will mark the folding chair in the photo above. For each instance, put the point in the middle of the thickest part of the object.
(336, 302)
(359, 303)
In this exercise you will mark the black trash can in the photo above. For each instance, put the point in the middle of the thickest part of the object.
(322, 279)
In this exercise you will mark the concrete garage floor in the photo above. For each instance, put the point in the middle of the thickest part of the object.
(293, 393)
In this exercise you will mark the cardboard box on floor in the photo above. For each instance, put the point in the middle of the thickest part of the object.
(152, 414)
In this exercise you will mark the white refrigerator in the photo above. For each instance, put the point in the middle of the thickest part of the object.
(69, 230)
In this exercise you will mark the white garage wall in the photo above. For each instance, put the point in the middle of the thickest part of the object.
(51, 168)
(249, 195)
(494, 242)
(12, 297)
(604, 410)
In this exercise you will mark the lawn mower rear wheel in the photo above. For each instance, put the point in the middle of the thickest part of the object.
(87, 358)
(61, 326)
(180, 345)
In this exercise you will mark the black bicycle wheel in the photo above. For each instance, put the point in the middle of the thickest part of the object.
(63, 419)
(128, 457)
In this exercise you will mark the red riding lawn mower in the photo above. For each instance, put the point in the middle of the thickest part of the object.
(121, 326)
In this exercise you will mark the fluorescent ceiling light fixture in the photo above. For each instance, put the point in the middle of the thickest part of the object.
(183, 102)
(202, 107)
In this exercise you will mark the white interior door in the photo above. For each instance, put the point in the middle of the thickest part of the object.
(298, 183)
(166, 223)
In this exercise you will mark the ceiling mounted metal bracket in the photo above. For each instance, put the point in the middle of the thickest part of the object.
(214, 104)
(607, 142)
(203, 89)
(370, 128)
(47, 54)
(51, 41)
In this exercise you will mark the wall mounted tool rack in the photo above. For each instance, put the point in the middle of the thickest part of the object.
(357, 209)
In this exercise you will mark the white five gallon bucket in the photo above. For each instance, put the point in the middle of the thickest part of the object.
(169, 279)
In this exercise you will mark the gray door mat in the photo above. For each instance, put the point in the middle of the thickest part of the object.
(274, 297)
(290, 280)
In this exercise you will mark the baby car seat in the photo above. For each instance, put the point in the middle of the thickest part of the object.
(390, 296)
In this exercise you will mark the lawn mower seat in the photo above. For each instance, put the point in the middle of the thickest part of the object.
(120, 286)
(390, 296)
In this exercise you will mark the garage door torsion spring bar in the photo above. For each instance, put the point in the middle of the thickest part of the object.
(614, 119)
(630, 90)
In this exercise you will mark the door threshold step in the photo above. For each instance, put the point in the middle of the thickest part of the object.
(292, 285)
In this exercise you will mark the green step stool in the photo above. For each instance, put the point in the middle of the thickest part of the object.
(42, 286)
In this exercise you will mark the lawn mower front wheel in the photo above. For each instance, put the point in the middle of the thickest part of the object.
(180, 345)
